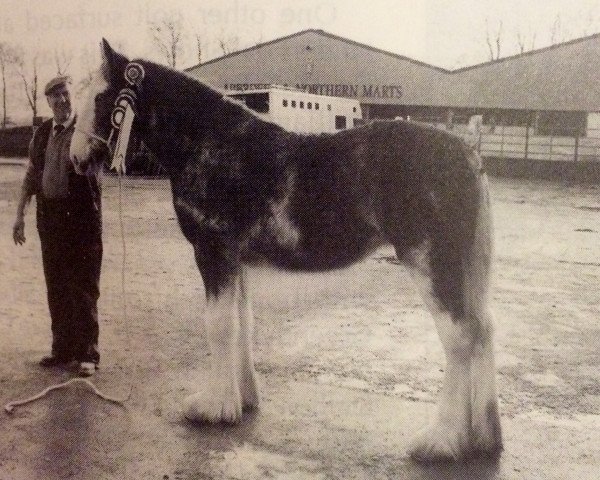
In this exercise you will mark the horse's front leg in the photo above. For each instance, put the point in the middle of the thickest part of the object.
(222, 398)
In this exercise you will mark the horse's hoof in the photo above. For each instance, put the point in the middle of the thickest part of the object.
(488, 447)
(200, 407)
(439, 443)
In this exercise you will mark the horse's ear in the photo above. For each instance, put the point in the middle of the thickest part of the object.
(112, 62)
(108, 55)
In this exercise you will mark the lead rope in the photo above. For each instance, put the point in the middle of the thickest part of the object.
(122, 117)
(123, 267)
(10, 407)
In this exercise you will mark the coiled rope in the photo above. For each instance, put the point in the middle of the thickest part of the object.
(10, 407)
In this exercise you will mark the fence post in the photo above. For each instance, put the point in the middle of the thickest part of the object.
(502, 143)
(551, 141)
(576, 146)
(527, 136)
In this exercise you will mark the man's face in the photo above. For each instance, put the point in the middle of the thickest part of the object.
(59, 100)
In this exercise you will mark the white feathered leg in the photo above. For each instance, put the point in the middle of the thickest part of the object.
(449, 435)
(221, 398)
(468, 420)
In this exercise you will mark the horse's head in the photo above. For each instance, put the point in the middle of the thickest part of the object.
(92, 138)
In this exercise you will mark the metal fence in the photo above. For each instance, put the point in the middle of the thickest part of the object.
(526, 144)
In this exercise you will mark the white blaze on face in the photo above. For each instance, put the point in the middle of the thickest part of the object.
(82, 139)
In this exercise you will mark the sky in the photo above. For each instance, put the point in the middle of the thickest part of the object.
(445, 33)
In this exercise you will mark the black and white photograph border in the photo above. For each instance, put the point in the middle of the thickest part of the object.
(348, 264)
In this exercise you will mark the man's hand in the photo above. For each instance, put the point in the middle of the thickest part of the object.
(19, 231)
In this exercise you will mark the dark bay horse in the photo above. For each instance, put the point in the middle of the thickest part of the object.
(246, 191)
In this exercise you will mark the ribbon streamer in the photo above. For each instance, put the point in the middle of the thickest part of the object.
(118, 161)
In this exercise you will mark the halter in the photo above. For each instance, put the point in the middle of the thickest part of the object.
(122, 115)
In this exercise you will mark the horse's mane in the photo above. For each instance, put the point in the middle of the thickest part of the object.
(189, 101)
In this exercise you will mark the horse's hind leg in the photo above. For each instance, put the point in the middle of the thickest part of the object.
(467, 420)
(449, 436)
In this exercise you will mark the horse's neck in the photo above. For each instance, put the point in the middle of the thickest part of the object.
(174, 135)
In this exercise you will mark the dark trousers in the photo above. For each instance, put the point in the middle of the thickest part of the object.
(71, 243)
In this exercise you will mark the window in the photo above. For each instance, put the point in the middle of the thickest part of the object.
(316, 106)
(285, 103)
(309, 105)
(340, 122)
(301, 104)
(354, 109)
(329, 107)
(293, 103)
(259, 102)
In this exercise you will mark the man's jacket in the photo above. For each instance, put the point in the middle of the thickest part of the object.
(84, 199)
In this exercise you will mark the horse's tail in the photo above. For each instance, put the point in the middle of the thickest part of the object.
(477, 274)
(461, 233)
(478, 254)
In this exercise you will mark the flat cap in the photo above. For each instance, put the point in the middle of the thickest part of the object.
(56, 82)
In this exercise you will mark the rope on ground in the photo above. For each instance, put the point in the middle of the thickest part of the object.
(9, 407)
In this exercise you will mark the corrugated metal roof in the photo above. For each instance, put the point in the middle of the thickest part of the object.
(560, 77)
(328, 64)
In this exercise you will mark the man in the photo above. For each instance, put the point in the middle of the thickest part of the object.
(69, 223)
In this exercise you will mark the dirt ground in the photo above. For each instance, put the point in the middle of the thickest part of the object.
(349, 361)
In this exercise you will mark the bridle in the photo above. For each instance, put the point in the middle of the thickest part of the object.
(122, 115)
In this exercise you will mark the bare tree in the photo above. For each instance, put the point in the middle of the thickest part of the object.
(198, 47)
(525, 42)
(589, 25)
(8, 56)
(166, 35)
(228, 45)
(555, 30)
(494, 42)
(29, 76)
(87, 77)
(62, 61)
(520, 42)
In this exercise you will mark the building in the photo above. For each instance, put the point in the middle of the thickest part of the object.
(385, 84)
(300, 111)
(542, 104)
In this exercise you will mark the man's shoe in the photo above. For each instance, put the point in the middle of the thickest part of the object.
(87, 369)
(54, 361)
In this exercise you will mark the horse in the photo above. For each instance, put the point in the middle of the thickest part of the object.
(248, 192)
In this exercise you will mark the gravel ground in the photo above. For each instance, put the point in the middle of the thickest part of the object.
(349, 361)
